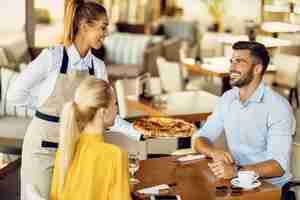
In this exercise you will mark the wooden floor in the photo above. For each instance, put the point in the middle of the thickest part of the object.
(10, 185)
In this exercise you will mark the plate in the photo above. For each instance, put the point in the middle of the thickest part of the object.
(236, 182)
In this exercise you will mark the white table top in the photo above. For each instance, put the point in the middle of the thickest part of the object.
(277, 8)
(267, 41)
(185, 103)
(280, 27)
(190, 102)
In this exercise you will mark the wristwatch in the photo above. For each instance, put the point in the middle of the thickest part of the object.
(239, 167)
(142, 138)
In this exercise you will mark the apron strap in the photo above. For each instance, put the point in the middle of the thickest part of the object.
(92, 70)
(64, 66)
(46, 117)
(47, 144)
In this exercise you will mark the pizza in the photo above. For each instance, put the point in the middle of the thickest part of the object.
(164, 127)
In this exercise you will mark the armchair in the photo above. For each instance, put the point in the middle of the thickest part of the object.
(129, 55)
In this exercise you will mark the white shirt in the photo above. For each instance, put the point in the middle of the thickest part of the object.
(36, 83)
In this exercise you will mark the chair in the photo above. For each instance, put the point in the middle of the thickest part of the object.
(287, 193)
(170, 75)
(287, 74)
(172, 78)
(125, 88)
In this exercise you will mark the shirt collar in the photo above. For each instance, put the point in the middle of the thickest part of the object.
(257, 96)
(75, 59)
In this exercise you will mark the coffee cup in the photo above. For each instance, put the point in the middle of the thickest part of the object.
(247, 178)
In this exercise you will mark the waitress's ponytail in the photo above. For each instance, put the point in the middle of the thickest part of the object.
(69, 18)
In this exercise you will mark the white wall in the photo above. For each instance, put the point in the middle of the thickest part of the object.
(55, 7)
(243, 9)
(236, 11)
(194, 10)
(12, 15)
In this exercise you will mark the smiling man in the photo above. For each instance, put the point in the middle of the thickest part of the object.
(258, 123)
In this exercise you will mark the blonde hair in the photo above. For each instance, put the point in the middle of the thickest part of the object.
(77, 11)
(91, 95)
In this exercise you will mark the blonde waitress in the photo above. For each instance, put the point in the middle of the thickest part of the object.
(57, 72)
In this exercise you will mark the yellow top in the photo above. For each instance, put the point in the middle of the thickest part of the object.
(99, 171)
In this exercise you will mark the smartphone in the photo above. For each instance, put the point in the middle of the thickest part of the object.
(156, 197)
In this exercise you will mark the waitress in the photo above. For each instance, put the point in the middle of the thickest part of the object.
(57, 72)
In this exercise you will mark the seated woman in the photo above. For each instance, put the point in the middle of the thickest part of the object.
(86, 167)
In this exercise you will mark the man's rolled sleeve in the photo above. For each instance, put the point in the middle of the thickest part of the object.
(214, 125)
(279, 141)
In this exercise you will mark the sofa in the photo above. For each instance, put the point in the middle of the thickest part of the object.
(129, 55)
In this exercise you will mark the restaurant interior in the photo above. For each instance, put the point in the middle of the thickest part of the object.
(165, 58)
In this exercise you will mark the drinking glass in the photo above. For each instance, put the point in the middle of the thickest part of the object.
(134, 164)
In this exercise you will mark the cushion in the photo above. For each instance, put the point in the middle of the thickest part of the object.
(7, 77)
(186, 30)
(124, 71)
(16, 50)
(3, 58)
(126, 48)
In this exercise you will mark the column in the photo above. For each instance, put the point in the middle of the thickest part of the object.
(29, 22)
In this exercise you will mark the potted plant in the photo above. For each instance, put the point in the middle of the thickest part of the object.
(216, 9)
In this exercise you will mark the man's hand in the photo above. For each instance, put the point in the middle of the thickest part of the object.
(223, 170)
(221, 155)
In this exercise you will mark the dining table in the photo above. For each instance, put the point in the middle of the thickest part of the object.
(192, 106)
(194, 181)
(280, 27)
(269, 42)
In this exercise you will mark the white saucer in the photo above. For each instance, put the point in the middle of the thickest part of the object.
(236, 182)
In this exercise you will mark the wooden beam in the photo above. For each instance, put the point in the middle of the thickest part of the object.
(262, 12)
(30, 22)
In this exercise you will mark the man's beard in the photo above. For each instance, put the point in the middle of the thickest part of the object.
(243, 80)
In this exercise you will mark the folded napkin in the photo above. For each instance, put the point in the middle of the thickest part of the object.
(190, 158)
(181, 152)
(154, 189)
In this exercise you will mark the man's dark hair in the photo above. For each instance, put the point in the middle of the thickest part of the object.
(257, 50)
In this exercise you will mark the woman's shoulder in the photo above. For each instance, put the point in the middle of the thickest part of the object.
(57, 53)
(111, 150)
(114, 149)
(53, 55)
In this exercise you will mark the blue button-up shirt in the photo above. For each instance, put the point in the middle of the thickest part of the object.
(256, 130)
